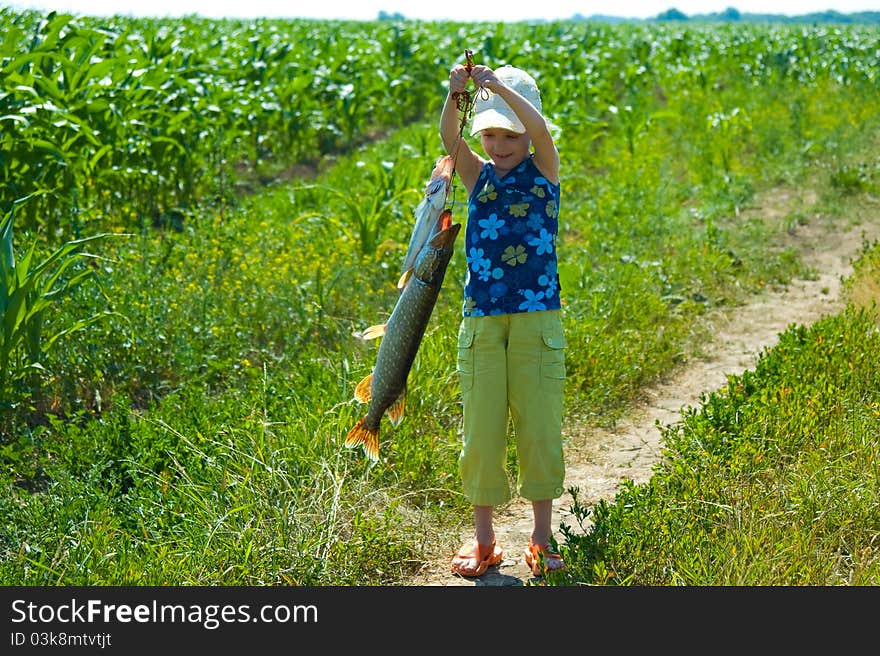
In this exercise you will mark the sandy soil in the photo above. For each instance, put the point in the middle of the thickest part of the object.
(597, 461)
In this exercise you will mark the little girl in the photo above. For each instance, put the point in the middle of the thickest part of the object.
(511, 358)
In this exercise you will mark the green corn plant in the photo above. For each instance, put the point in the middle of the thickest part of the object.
(365, 216)
(27, 290)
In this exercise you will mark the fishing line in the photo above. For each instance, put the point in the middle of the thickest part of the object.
(464, 102)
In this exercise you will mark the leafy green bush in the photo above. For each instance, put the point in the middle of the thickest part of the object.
(773, 480)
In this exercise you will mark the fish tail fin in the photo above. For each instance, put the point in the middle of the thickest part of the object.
(395, 410)
(364, 390)
(366, 437)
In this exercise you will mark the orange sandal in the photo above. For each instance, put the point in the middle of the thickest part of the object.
(541, 559)
(473, 552)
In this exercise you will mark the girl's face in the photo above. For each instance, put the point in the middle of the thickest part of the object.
(506, 149)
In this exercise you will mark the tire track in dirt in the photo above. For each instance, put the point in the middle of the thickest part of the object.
(599, 460)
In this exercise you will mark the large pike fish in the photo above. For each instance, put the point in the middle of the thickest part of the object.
(429, 214)
(385, 387)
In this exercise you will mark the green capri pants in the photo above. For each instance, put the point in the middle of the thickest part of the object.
(512, 366)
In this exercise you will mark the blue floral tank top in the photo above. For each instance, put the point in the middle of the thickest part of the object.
(510, 243)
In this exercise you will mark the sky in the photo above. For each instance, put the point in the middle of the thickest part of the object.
(456, 10)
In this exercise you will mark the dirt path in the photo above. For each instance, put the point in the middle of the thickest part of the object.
(597, 461)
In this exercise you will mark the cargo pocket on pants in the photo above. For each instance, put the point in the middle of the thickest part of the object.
(553, 354)
(466, 356)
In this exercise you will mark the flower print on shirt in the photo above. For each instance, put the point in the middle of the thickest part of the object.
(533, 301)
(475, 259)
(497, 290)
(538, 191)
(487, 193)
(520, 227)
(513, 255)
(486, 271)
(541, 181)
(543, 242)
(471, 309)
(551, 209)
(549, 280)
(490, 225)
(535, 221)
(519, 209)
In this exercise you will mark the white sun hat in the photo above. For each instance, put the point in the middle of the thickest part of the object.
(490, 110)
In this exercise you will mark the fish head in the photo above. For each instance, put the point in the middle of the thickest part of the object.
(431, 263)
(445, 238)
(443, 168)
(429, 215)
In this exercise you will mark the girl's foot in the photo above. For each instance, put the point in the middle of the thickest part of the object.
(473, 559)
(542, 559)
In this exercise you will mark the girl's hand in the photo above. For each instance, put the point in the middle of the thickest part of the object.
(484, 77)
(458, 79)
